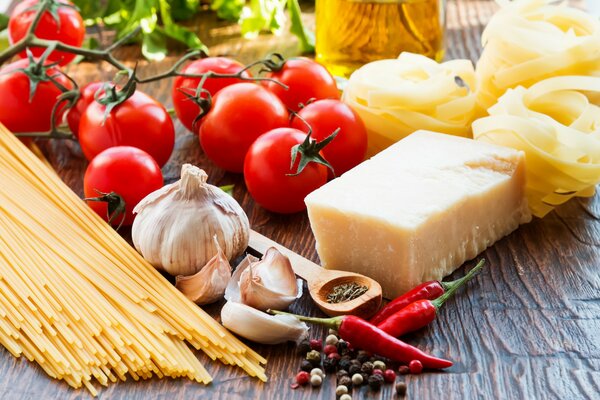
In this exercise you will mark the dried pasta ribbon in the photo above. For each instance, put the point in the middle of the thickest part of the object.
(399, 96)
(527, 41)
(558, 128)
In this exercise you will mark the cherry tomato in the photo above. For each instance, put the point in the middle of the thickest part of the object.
(130, 172)
(306, 79)
(349, 147)
(185, 108)
(69, 29)
(86, 97)
(18, 112)
(140, 121)
(266, 170)
(240, 113)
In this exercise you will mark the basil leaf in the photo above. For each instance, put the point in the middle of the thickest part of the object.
(154, 45)
(305, 36)
(229, 10)
(3, 21)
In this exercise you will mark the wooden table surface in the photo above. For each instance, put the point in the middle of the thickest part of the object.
(526, 328)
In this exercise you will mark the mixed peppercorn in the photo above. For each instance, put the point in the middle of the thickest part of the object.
(356, 350)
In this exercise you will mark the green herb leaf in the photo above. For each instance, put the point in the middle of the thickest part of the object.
(227, 189)
(306, 37)
(262, 15)
(154, 45)
(229, 10)
(184, 9)
(3, 21)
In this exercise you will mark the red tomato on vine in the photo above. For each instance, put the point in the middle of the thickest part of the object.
(125, 171)
(28, 93)
(138, 120)
(185, 108)
(61, 21)
(282, 167)
(86, 97)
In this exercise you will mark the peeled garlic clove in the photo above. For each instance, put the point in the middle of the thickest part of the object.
(269, 283)
(261, 327)
(207, 285)
(232, 292)
(175, 225)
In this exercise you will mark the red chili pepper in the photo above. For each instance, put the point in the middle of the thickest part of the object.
(429, 290)
(363, 335)
(422, 312)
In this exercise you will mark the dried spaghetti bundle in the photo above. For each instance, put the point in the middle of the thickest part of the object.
(82, 303)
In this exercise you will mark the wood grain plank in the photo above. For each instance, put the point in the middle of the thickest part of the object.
(526, 328)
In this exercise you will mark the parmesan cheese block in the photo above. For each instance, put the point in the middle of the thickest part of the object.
(419, 209)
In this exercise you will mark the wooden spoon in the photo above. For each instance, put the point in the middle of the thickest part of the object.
(320, 281)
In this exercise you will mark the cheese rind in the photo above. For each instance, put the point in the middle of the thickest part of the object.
(419, 209)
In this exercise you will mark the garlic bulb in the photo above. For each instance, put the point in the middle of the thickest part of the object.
(207, 285)
(175, 225)
(261, 327)
(264, 284)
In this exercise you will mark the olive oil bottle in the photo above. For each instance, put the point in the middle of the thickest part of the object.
(350, 33)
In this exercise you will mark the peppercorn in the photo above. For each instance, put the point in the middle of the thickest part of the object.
(379, 365)
(314, 357)
(344, 363)
(345, 397)
(335, 356)
(332, 332)
(404, 370)
(389, 375)
(306, 365)
(304, 347)
(330, 349)
(341, 390)
(401, 388)
(316, 344)
(365, 376)
(302, 377)
(375, 381)
(340, 373)
(357, 379)
(363, 356)
(331, 339)
(354, 369)
(415, 366)
(367, 367)
(342, 345)
(330, 364)
(316, 380)
(377, 372)
(317, 371)
(346, 381)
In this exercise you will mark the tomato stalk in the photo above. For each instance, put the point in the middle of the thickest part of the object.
(115, 206)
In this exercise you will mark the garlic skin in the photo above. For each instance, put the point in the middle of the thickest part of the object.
(175, 225)
(207, 285)
(261, 327)
(264, 284)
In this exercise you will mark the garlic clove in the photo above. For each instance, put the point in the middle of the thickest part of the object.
(261, 327)
(268, 283)
(175, 225)
(232, 292)
(207, 285)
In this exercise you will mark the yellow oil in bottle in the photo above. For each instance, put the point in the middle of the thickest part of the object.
(350, 33)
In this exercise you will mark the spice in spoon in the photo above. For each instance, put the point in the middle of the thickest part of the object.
(346, 292)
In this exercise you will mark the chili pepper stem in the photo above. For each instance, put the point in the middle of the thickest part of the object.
(331, 323)
(451, 287)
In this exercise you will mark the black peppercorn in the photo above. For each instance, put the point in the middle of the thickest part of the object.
(401, 388)
(344, 364)
(346, 381)
(365, 376)
(354, 369)
(330, 364)
(367, 367)
(375, 381)
(363, 356)
(342, 345)
(306, 366)
(304, 346)
(341, 373)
